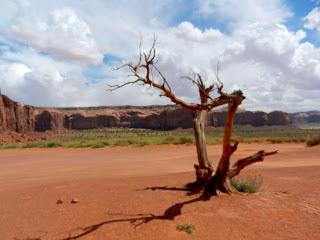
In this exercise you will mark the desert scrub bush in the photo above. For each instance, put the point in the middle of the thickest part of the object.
(99, 144)
(40, 145)
(52, 145)
(123, 142)
(275, 140)
(313, 141)
(286, 140)
(77, 144)
(32, 145)
(87, 144)
(168, 140)
(248, 184)
(9, 146)
(184, 140)
(141, 144)
(188, 228)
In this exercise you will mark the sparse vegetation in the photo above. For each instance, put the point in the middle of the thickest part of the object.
(248, 184)
(99, 138)
(184, 140)
(123, 142)
(188, 228)
(313, 141)
(39, 145)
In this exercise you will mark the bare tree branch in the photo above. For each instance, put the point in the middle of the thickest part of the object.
(244, 162)
(115, 87)
(146, 62)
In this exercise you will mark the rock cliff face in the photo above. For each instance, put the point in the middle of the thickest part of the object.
(17, 118)
(79, 121)
(162, 118)
(51, 120)
(14, 117)
(305, 117)
(313, 118)
(255, 119)
(278, 118)
(167, 119)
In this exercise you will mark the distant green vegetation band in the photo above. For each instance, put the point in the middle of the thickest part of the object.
(99, 138)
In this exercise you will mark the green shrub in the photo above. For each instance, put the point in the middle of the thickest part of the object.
(80, 144)
(188, 228)
(99, 144)
(123, 142)
(168, 140)
(141, 144)
(276, 140)
(9, 146)
(313, 141)
(87, 144)
(247, 185)
(52, 145)
(34, 145)
(184, 140)
(213, 141)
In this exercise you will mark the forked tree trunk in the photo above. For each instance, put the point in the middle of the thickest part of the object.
(224, 173)
(204, 169)
(221, 175)
(220, 181)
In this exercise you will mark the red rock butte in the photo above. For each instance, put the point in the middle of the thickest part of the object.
(17, 118)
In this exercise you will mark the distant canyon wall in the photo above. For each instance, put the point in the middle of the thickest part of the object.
(15, 117)
(162, 118)
(18, 118)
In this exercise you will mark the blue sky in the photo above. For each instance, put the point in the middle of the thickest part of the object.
(63, 53)
(300, 10)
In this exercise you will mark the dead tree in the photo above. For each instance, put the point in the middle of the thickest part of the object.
(145, 72)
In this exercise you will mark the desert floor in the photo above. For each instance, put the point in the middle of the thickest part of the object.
(115, 204)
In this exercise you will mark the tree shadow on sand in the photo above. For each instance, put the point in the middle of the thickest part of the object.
(139, 219)
(192, 188)
(189, 191)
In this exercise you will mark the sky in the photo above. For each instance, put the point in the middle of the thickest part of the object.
(62, 53)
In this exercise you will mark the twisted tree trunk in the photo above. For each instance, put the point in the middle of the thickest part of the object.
(203, 169)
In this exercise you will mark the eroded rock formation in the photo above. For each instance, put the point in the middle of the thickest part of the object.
(278, 118)
(15, 117)
(51, 120)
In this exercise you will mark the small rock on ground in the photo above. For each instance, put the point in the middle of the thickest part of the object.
(75, 200)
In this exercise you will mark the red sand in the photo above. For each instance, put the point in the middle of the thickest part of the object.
(109, 183)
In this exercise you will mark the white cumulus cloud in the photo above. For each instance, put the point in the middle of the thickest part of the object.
(62, 34)
(312, 20)
(277, 68)
(187, 31)
(244, 12)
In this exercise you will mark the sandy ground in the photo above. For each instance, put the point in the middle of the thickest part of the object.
(110, 184)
